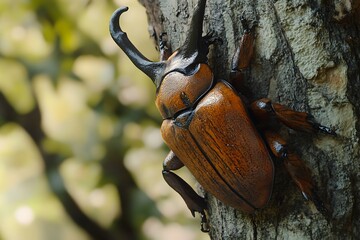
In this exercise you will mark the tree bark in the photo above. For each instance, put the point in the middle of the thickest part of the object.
(307, 57)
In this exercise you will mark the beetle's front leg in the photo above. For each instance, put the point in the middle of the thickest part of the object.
(193, 201)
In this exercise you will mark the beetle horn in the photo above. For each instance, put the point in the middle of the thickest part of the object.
(193, 39)
(153, 69)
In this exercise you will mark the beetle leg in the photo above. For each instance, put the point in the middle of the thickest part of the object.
(193, 201)
(242, 58)
(297, 169)
(244, 52)
(264, 110)
(172, 162)
(210, 38)
(165, 49)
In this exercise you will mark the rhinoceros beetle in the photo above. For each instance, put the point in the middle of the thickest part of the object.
(227, 145)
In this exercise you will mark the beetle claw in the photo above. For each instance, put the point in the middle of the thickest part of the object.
(305, 196)
(320, 128)
(245, 25)
(326, 130)
(204, 223)
(211, 38)
(320, 206)
(163, 40)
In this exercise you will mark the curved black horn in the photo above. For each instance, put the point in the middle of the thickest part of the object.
(195, 31)
(153, 69)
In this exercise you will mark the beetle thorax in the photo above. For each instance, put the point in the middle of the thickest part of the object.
(179, 92)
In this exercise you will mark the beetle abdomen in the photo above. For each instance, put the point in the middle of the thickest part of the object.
(223, 150)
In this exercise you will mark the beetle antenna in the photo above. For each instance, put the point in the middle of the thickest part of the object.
(153, 69)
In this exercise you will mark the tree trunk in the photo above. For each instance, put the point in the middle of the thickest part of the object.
(307, 57)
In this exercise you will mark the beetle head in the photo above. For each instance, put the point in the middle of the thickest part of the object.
(185, 60)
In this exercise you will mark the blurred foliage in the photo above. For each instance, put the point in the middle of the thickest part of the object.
(80, 146)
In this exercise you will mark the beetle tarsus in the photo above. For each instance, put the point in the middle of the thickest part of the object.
(324, 129)
(210, 38)
(305, 196)
(164, 48)
(297, 169)
(319, 204)
(204, 223)
(193, 201)
(264, 111)
(245, 24)
(162, 41)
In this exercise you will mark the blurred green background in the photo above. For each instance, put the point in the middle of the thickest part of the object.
(80, 147)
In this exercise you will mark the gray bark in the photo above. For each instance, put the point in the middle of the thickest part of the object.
(307, 57)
